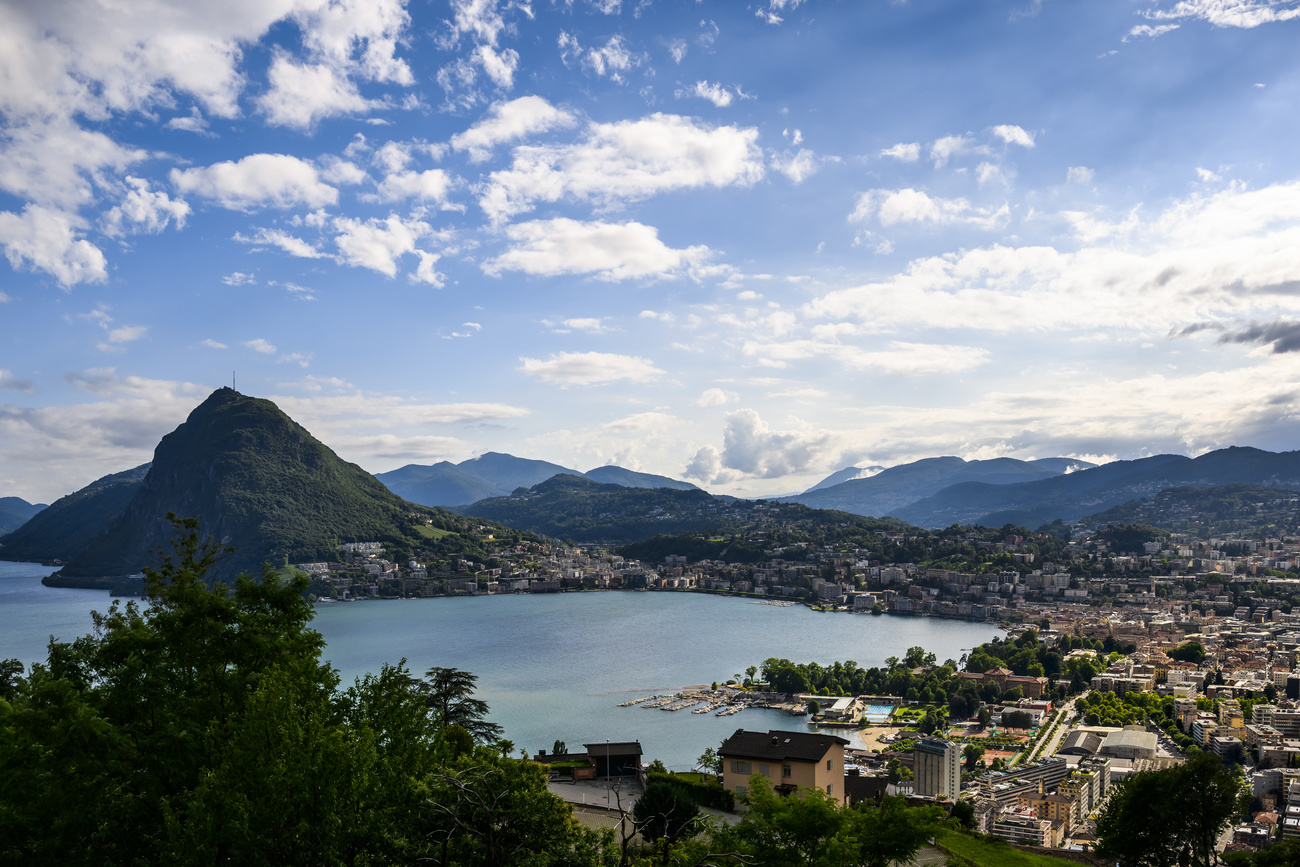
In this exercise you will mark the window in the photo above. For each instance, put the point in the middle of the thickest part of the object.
(762, 769)
(742, 768)
(830, 788)
(828, 764)
(740, 790)
(786, 771)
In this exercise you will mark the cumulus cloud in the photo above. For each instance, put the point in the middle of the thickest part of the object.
(378, 244)
(429, 186)
(751, 448)
(261, 345)
(303, 93)
(947, 147)
(238, 278)
(715, 397)
(607, 251)
(1012, 134)
(590, 368)
(612, 60)
(892, 207)
(212, 344)
(13, 383)
(143, 209)
(47, 240)
(714, 93)
(510, 121)
(291, 244)
(626, 160)
(908, 152)
(258, 181)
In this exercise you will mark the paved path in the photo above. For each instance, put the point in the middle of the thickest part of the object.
(604, 794)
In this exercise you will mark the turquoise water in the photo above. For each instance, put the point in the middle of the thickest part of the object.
(556, 666)
(878, 713)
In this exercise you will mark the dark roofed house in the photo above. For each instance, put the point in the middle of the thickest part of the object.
(789, 761)
(615, 759)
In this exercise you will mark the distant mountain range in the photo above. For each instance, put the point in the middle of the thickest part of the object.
(15, 511)
(494, 475)
(889, 490)
(250, 474)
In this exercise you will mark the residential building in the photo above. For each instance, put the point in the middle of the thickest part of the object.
(789, 761)
(936, 768)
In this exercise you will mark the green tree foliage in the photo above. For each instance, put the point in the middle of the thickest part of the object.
(202, 728)
(1127, 538)
(1189, 651)
(814, 829)
(664, 815)
(449, 693)
(1169, 818)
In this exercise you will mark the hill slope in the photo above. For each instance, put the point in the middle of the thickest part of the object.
(14, 512)
(254, 478)
(65, 528)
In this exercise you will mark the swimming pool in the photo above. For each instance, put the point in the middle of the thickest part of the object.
(878, 713)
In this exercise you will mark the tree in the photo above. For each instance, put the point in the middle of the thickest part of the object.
(559, 748)
(1188, 651)
(449, 693)
(985, 716)
(1170, 817)
(972, 753)
(664, 815)
(814, 707)
(710, 760)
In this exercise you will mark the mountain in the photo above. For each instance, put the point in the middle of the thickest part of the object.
(1088, 491)
(578, 508)
(14, 512)
(848, 474)
(495, 474)
(65, 528)
(612, 475)
(892, 489)
(1250, 510)
(254, 478)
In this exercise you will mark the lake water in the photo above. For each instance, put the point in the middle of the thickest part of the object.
(555, 666)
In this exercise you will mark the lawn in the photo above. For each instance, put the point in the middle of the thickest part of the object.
(983, 853)
(432, 532)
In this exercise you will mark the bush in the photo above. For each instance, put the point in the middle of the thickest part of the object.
(704, 794)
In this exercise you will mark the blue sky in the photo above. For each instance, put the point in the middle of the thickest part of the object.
(743, 244)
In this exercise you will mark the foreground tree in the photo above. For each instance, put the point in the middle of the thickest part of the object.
(203, 728)
(1169, 818)
(449, 693)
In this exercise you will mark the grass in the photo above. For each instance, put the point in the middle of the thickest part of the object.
(983, 853)
(432, 532)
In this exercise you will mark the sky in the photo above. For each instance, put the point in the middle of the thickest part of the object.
(744, 244)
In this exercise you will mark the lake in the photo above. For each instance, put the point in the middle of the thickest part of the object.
(555, 666)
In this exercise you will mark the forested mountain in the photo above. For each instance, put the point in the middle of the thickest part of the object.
(572, 507)
(495, 474)
(1070, 497)
(891, 490)
(15, 511)
(1217, 511)
(65, 528)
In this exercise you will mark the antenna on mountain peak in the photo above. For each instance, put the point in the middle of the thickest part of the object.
(232, 381)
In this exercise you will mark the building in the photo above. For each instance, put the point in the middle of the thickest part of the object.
(936, 768)
(1133, 742)
(789, 760)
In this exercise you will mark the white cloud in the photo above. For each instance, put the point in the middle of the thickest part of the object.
(610, 60)
(500, 66)
(340, 171)
(510, 121)
(914, 206)
(258, 181)
(212, 344)
(291, 244)
(588, 324)
(1012, 134)
(1151, 32)
(428, 186)
(303, 93)
(750, 448)
(715, 397)
(378, 244)
(944, 149)
(714, 93)
(1244, 14)
(1079, 175)
(302, 293)
(46, 239)
(127, 333)
(238, 278)
(908, 152)
(193, 122)
(426, 272)
(623, 161)
(302, 359)
(677, 50)
(795, 166)
(898, 358)
(260, 345)
(607, 251)
(144, 210)
(590, 368)
(989, 173)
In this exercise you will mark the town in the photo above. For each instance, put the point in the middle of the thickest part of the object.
(1115, 661)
